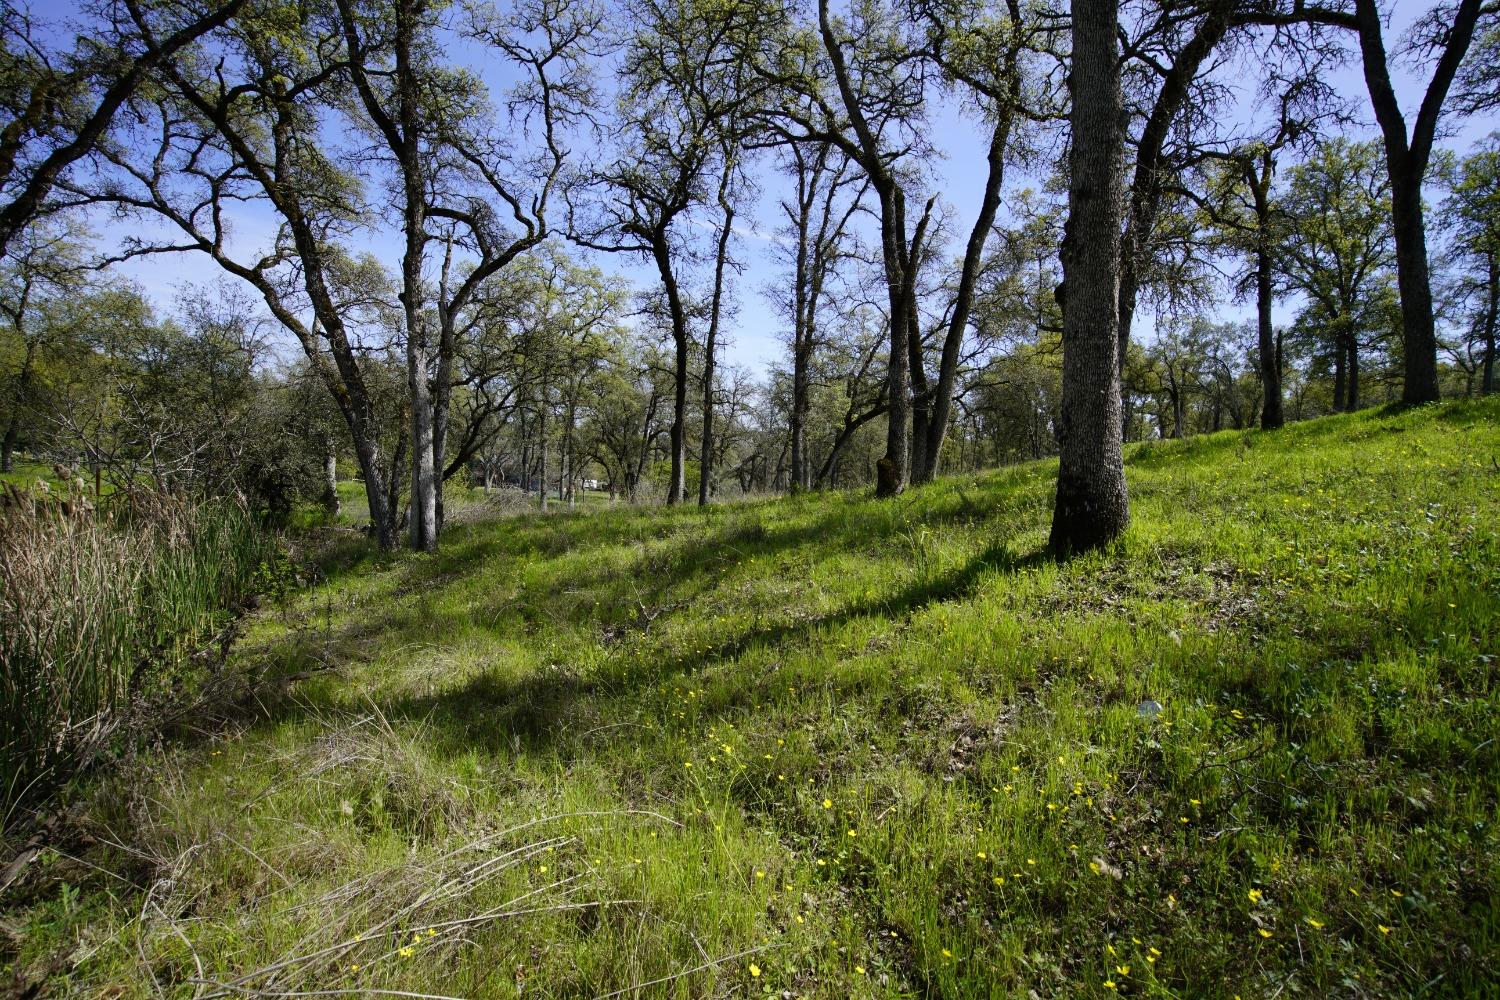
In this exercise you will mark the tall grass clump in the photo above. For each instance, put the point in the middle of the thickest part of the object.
(95, 608)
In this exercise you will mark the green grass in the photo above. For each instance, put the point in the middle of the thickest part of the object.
(27, 474)
(861, 748)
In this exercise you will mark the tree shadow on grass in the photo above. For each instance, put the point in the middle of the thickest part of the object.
(685, 557)
(708, 542)
(533, 712)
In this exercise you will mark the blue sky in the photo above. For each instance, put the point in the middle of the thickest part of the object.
(755, 335)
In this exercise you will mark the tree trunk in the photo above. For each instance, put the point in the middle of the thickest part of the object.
(1418, 336)
(423, 524)
(22, 393)
(569, 448)
(1406, 162)
(1092, 505)
(921, 394)
(442, 387)
(802, 332)
(8, 445)
(677, 486)
(331, 481)
(900, 260)
(721, 258)
(1271, 416)
(391, 502)
(1340, 376)
(890, 470)
(1351, 345)
(414, 205)
(1174, 393)
(541, 450)
(1487, 382)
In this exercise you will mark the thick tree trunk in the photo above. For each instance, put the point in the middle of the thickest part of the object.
(1092, 505)
(423, 523)
(798, 422)
(1418, 334)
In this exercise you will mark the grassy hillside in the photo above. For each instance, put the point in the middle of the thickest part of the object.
(835, 747)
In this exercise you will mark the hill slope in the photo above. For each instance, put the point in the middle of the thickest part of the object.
(836, 747)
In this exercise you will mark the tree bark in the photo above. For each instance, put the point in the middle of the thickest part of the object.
(1271, 415)
(331, 481)
(423, 475)
(1487, 382)
(1351, 345)
(801, 327)
(721, 259)
(677, 485)
(442, 388)
(1092, 505)
(8, 446)
(1406, 161)
(1340, 376)
(391, 502)
(541, 448)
